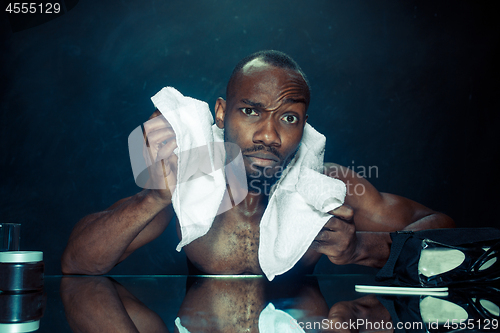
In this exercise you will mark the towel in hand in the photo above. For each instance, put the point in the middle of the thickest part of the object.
(200, 193)
(298, 207)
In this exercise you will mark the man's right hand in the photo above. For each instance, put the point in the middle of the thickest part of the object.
(160, 144)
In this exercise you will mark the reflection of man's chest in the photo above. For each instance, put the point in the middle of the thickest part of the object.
(230, 247)
(236, 305)
(224, 305)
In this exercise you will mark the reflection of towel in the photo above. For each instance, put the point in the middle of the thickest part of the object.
(179, 326)
(272, 320)
(299, 202)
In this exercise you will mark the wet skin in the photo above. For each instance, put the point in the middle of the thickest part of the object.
(265, 116)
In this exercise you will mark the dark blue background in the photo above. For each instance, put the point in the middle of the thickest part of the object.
(410, 87)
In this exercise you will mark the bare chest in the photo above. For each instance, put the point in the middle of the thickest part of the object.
(230, 246)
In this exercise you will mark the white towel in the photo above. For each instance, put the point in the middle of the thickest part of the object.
(299, 202)
(201, 184)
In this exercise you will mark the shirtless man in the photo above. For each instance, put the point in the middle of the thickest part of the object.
(264, 114)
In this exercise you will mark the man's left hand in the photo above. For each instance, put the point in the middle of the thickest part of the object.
(338, 238)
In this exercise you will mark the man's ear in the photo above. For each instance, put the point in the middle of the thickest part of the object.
(220, 112)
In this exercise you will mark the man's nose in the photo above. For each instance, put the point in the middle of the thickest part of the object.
(267, 133)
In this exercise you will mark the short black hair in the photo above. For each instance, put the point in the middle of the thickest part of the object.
(271, 57)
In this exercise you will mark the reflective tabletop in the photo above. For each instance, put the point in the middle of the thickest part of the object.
(315, 303)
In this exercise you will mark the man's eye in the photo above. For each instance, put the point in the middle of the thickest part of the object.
(249, 111)
(290, 119)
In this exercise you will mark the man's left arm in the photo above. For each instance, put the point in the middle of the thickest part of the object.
(359, 231)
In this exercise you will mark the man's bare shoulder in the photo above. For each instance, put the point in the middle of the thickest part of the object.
(343, 173)
(357, 185)
(374, 210)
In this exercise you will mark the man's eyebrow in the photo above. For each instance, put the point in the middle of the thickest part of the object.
(286, 101)
(252, 104)
(294, 100)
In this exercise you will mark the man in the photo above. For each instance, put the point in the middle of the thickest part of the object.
(264, 114)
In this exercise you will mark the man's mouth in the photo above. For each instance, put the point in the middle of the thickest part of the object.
(262, 159)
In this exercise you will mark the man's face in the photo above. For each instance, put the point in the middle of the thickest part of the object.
(265, 116)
